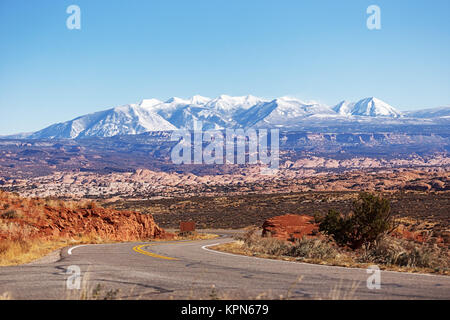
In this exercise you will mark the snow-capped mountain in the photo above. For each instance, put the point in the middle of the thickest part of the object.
(128, 119)
(218, 113)
(231, 112)
(368, 107)
(441, 112)
(183, 113)
(343, 108)
(228, 105)
(280, 112)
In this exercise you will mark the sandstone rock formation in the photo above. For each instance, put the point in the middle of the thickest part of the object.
(145, 184)
(32, 218)
(290, 226)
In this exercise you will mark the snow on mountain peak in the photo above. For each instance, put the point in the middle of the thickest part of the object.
(197, 99)
(368, 107)
(148, 103)
(176, 100)
(121, 120)
(288, 98)
(374, 107)
(225, 103)
(222, 112)
(433, 113)
(343, 108)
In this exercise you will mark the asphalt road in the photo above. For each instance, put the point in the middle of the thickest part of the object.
(190, 270)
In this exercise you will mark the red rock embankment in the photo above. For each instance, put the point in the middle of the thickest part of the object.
(44, 219)
(290, 226)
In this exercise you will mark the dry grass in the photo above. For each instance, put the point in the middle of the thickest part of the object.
(15, 252)
(11, 199)
(194, 235)
(402, 253)
(302, 249)
(91, 291)
(5, 296)
(339, 292)
(411, 257)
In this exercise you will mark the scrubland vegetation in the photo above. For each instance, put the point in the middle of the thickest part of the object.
(356, 239)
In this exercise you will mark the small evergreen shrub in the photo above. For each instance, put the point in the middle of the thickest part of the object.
(369, 220)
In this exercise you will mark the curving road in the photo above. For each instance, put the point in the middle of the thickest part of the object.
(190, 270)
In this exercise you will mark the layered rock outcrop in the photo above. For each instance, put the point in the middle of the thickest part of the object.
(30, 218)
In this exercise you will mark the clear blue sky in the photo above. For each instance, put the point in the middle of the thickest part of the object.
(128, 50)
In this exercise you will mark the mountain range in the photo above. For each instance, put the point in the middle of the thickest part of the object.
(228, 112)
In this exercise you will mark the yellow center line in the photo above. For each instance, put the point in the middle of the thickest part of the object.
(154, 255)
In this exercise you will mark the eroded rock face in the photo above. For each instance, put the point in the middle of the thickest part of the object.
(290, 226)
(30, 218)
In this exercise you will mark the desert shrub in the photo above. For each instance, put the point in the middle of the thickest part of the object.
(247, 236)
(304, 248)
(255, 243)
(91, 205)
(383, 252)
(405, 253)
(313, 249)
(275, 246)
(98, 294)
(419, 256)
(10, 214)
(318, 217)
(369, 220)
(269, 246)
(13, 248)
(187, 234)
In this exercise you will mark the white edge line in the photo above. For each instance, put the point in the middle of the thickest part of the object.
(70, 250)
(205, 247)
